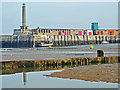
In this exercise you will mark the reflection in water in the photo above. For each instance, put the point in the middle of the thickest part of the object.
(24, 77)
(12, 67)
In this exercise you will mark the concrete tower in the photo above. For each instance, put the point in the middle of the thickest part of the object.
(24, 15)
(23, 27)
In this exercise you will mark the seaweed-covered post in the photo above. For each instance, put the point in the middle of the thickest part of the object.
(87, 61)
(100, 53)
(81, 61)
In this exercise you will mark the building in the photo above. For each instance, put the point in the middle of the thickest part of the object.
(57, 31)
(94, 26)
(107, 32)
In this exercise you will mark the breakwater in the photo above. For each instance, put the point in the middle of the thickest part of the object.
(11, 41)
(12, 67)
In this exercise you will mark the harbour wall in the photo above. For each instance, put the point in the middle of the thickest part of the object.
(58, 40)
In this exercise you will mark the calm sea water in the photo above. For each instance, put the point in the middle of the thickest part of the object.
(37, 80)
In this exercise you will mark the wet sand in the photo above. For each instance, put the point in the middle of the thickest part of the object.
(103, 72)
(57, 52)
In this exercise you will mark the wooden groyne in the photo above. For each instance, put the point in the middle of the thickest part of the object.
(12, 67)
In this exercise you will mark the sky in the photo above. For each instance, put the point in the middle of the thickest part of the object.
(73, 15)
(60, 0)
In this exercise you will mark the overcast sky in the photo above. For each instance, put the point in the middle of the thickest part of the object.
(60, 15)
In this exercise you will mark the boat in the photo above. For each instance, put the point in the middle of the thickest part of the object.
(45, 44)
(105, 42)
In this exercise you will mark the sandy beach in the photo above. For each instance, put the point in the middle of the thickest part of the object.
(103, 72)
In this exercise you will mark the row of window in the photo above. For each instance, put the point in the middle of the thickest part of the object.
(68, 32)
(109, 33)
(48, 31)
(44, 31)
(98, 33)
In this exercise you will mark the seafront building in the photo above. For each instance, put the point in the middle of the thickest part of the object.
(25, 37)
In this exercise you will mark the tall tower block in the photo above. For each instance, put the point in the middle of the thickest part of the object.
(24, 15)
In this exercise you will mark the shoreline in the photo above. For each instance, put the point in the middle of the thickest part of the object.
(103, 72)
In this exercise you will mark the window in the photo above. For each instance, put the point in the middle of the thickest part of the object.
(110, 33)
(101, 32)
(69, 32)
(84, 32)
(39, 30)
(59, 33)
(42, 30)
(97, 33)
(90, 33)
(65, 32)
(80, 32)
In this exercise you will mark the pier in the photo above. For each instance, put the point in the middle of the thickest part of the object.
(29, 41)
